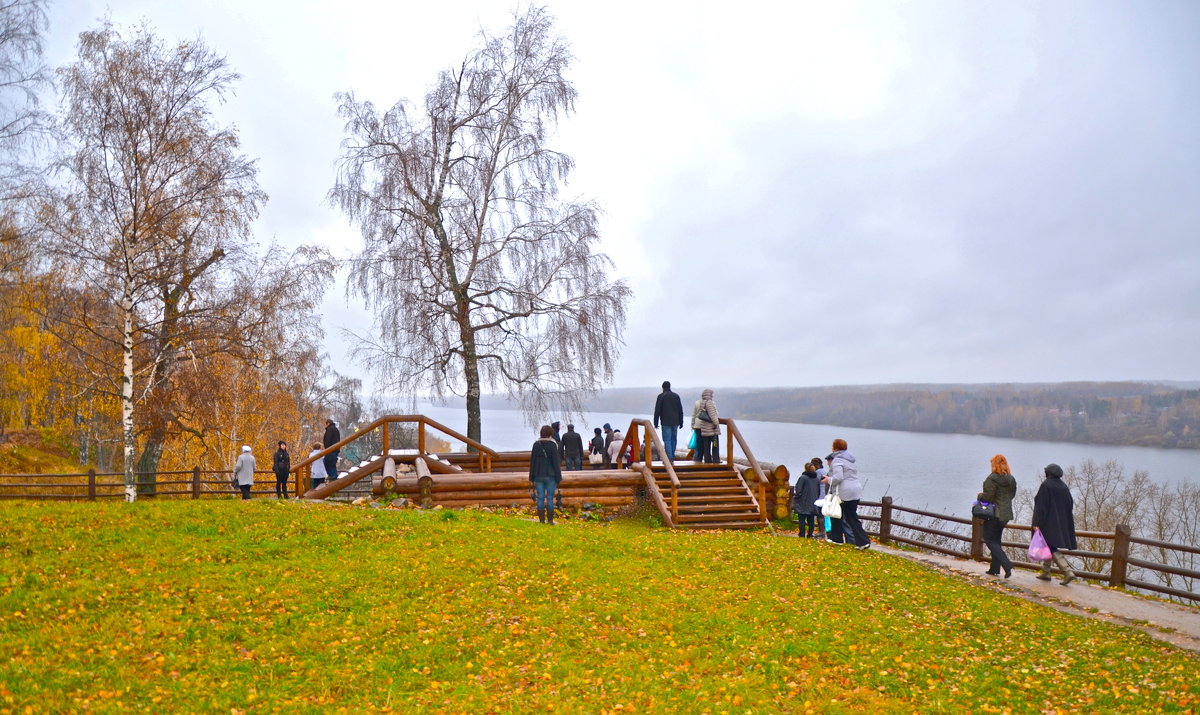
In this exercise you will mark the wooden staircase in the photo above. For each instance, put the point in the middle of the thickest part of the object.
(690, 495)
(711, 496)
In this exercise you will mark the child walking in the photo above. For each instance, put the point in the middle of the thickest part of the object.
(807, 491)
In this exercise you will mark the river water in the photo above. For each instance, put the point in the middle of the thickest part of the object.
(938, 472)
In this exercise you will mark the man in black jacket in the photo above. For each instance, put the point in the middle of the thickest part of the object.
(668, 409)
(572, 445)
(332, 437)
(282, 467)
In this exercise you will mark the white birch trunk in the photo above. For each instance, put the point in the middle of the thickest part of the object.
(127, 392)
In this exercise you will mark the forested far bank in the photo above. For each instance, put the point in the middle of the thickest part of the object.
(1116, 413)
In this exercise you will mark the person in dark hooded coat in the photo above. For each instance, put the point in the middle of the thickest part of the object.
(1054, 515)
(545, 472)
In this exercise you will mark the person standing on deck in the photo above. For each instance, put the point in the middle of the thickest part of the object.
(243, 471)
(318, 475)
(558, 440)
(282, 466)
(545, 472)
(572, 445)
(332, 437)
(668, 409)
(708, 445)
(597, 447)
(608, 438)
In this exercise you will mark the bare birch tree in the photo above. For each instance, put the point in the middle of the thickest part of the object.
(158, 208)
(478, 272)
(23, 75)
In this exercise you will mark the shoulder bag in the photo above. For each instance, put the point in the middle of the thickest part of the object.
(832, 507)
(983, 510)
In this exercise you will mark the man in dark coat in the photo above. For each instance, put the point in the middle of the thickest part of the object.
(282, 467)
(332, 437)
(1053, 514)
(572, 444)
(668, 409)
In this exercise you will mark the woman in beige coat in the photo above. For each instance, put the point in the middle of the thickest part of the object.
(708, 448)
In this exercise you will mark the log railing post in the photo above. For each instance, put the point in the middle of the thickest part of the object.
(885, 520)
(195, 482)
(384, 427)
(421, 437)
(1120, 557)
(977, 540)
(91, 485)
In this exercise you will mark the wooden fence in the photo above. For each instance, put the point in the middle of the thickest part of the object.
(195, 483)
(1119, 556)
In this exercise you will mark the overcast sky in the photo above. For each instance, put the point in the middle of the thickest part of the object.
(827, 193)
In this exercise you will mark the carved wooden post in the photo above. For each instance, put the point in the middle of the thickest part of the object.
(1120, 560)
(977, 539)
(91, 485)
(195, 482)
(885, 521)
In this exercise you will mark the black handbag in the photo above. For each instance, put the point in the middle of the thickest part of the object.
(983, 510)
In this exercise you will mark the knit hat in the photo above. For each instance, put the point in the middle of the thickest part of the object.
(1053, 470)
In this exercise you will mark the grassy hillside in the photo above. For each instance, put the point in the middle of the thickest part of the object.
(265, 606)
(35, 452)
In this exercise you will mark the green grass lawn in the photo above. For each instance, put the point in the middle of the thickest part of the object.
(219, 606)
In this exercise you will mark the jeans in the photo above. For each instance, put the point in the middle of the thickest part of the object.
(852, 526)
(317, 482)
(330, 461)
(670, 437)
(993, 532)
(245, 488)
(575, 463)
(281, 481)
(544, 494)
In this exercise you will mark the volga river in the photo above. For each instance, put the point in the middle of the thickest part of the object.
(939, 472)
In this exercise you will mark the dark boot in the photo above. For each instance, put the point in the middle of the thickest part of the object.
(541, 515)
(1061, 562)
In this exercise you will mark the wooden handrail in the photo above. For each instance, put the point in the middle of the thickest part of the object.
(1120, 556)
(656, 494)
(652, 439)
(422, 422)
(763, 482)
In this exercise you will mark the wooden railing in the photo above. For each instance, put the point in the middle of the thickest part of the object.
(761, 483)
(651, 443)
(92, 485)
(303, 469)
(1119, 556)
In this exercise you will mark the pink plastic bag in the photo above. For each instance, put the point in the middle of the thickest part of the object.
(1039, 550)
